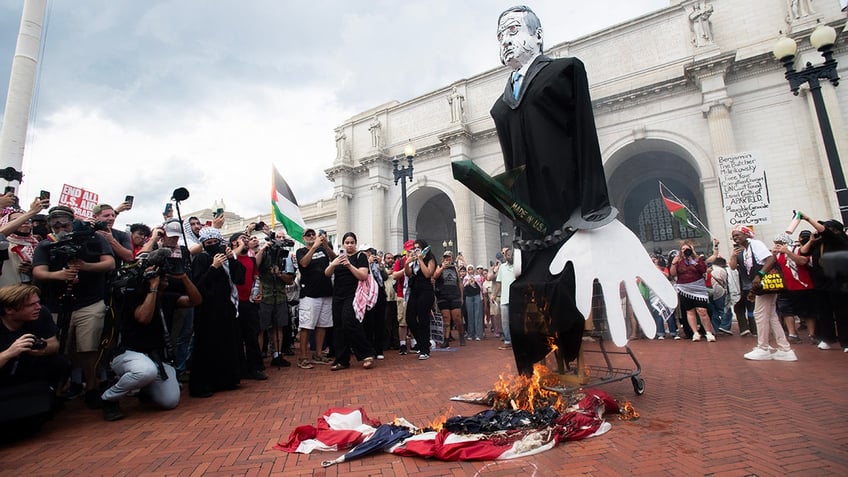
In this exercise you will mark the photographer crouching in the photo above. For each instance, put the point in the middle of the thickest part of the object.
(144, 360)
(30, 368)
(71, 266)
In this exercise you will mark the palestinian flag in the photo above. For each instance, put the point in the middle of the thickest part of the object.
(284, 207)
(678, 210)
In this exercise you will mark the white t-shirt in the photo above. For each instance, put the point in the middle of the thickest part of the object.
(506, 275)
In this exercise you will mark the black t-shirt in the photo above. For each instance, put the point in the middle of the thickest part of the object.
(448, 283)
(90, 286)
(417, 281)
(43, 328)
(344, 283)
(144, 337)
(829, 242)
(313, 282)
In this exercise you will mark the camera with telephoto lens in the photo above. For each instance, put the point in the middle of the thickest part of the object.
(688, 252)
(38, 344)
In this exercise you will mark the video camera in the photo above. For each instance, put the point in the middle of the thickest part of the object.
(69, 246)
(132, 275)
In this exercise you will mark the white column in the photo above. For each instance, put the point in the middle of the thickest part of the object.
(378, 216)
(21, 85)
(723, 142)
(342, 214)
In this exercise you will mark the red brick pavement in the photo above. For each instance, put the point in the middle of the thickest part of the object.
(705, 411)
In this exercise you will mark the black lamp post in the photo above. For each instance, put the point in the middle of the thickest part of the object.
(822, 39)
(401, 174)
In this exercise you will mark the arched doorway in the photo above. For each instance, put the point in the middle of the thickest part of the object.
(432, 218)
(635, 191)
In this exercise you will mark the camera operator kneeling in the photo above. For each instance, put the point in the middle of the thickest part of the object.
(143, 363)
(30, 368)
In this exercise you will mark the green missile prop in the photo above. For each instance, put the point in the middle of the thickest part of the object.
(495, 191)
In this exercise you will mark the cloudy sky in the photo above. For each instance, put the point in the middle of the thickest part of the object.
(141, 97)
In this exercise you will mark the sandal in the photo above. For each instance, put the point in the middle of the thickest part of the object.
(368, 363)
(339, 367)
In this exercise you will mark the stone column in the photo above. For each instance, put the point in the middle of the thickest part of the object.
(378, 216)
(342, 213)
(459, 142)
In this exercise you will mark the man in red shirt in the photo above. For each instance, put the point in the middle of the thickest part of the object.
(248, 310)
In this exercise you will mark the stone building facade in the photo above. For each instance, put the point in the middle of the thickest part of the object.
(673, 91)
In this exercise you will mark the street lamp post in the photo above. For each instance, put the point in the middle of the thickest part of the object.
(822, 39)
(401, 173)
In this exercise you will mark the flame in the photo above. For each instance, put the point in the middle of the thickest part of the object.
(439, 421)
(627, 412)
(527, 393)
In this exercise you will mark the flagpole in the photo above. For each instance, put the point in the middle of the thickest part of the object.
(712, 235)
(272, 196)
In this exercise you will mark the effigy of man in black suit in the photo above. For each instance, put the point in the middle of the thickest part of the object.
(545, 125)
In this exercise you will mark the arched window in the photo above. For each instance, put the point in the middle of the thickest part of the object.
(656, 224)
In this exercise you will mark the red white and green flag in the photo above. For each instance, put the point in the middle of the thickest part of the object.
(677, 209)
(284, 208)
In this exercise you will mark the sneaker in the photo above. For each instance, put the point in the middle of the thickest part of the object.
(423, 356)
(477, 339)
(676, 337)
(845, 350)
(745, 333)
(784, 355)
(660, 337)
(112, 411)
(304, 363)
(725, 331)
(402, 350)
(415, 350)
(758, 354)
(505, 346)
(793, 339)
(823, 345)
(696, 336)
(322, 360)
(380, 357)
(710, 337)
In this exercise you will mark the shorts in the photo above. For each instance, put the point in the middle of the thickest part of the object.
(276, 315)
(316, 312)
(450, 303)
(686, 303)
(86, 328)
(401, 306)
(799, 303)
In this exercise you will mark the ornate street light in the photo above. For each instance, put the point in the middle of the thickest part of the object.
(822, 39)
(401, 173)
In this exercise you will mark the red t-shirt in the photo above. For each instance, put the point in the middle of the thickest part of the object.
(399, 264)
(803, 282)
(249, 275)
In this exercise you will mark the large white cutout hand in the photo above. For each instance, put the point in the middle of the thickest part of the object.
(612, 255)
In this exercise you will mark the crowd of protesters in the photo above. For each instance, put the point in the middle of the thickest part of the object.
(774, 289)
(92, 312)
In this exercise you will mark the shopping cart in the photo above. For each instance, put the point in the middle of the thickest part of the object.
(596, 364)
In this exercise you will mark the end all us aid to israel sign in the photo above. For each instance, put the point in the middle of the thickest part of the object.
(81, 201)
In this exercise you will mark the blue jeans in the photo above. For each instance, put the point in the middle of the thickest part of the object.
(474, 307)
(658, 320)
(717, 313)
(505, 323)
(138, 371)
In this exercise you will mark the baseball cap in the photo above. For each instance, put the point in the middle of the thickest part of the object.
(409, 245)
(59, 211)
(308, 231)
(447, 253)
(172, 228)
